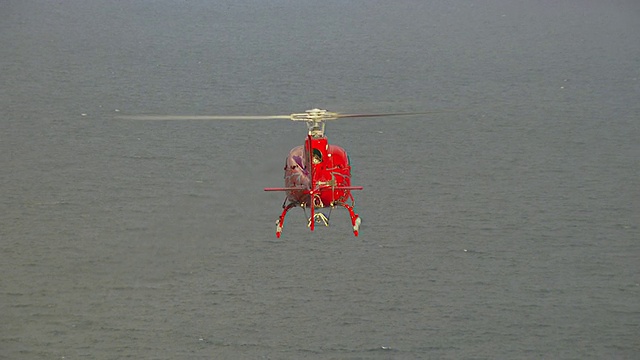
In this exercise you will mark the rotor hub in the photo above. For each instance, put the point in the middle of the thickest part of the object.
(315, 119)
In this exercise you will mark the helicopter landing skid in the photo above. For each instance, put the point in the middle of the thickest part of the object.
(355, 218)
(280, 221)
(318, 217)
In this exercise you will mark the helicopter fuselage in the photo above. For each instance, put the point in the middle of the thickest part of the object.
(325, 166)
(317, 175)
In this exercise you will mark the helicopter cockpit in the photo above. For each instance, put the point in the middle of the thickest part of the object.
(317, 156)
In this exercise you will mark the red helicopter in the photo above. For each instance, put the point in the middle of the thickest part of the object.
(317, 175)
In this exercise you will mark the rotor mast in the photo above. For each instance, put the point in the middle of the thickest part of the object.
(315, 119)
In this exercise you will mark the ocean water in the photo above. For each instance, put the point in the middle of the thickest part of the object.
(505, 226)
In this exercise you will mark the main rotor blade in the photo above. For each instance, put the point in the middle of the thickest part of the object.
(201, 117)
(389, 114)
(299, 117)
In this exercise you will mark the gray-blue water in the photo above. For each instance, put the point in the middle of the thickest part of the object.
(506, 229)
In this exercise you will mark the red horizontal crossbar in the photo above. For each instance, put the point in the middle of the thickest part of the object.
(284, 189)
(345, 187)
(324, 187)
